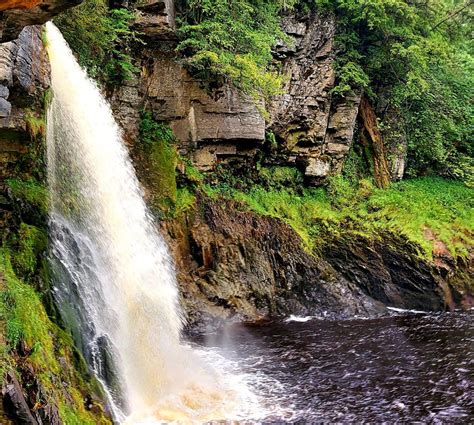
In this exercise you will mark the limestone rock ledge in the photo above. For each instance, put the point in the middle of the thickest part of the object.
(212, 124)
(17, 14)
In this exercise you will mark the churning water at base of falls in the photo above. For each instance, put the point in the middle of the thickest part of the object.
(113, 278)
(408, 368)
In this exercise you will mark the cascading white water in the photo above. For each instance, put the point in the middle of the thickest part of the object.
(114, 280)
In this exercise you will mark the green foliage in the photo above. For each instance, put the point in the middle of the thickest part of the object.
(232, 41)
(192, 174)
(101, 38)
(30, 192)
(443, 207)
(412, 208)
(158, 143)
(280, 177)
(185, 201)
(440, 122)
(271, 139)
(355, 167)
(30, 245)
(24, 315)
(151, 130)
(36, 125)
(420, 53)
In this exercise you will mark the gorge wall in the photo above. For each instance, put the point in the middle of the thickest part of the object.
(214, 125)
(221, 262)
(44, 378)
(232, 263)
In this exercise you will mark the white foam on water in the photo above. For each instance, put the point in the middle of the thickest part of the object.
(401, 310)
(300, 319)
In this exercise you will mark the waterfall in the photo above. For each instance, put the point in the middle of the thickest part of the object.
(113, 277)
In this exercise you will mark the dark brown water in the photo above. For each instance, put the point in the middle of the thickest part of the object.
(406, 368)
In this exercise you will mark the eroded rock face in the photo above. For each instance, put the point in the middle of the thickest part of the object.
(17, 14)
(217, 124)
(315, 129)
(156, 19)
(240, 265)
(212, 124)
(24, 76)
(391, 271)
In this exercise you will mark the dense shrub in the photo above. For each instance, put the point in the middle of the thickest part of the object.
(419, 54)
(232, 40)
(101, 38)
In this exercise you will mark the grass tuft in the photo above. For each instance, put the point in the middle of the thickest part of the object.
(424, 211)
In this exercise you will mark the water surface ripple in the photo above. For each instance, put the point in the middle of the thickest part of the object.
(408, 368)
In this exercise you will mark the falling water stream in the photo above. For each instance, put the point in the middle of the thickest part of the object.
(114, 280)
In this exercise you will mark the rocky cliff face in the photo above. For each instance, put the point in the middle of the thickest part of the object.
(314, 130)
(44, 379)
(216, 125)
(212, 124)
(239, 264)
(233, 264)
(24, 80)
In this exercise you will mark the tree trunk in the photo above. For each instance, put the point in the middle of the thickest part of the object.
(374, 138)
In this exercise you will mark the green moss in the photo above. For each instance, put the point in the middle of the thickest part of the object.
(31, 192)
(193, 174)
(422, 210)
(163, 160)
(35, 124)
(281, 177)
(24, 315)
(185, 201)
(160, 153)
(47, 98)
(30, 244)
(23, 318)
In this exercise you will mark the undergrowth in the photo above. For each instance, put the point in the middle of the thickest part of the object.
(31, 192)
(23, 318)
(102, 39)
(420, 210)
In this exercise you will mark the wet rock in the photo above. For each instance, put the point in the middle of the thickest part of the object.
(242, 266)
(390, 270)
(14, 401)
(24, 77)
